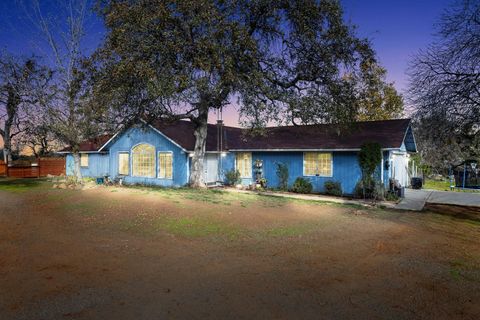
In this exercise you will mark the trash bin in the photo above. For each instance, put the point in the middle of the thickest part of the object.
(417, 183)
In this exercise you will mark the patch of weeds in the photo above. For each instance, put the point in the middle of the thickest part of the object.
(139, 225)
(19, 185)
(197, 227)
(461, 270)
(114, 190)
(272, 201)
(56, 195)
(291, 230)
(84, 208)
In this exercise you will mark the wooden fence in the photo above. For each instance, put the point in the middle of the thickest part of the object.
(3, 168)
(44, 167)
(23, 172)
(52, 166)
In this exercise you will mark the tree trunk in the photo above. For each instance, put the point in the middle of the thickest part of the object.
(197, 179)
(7, 143)
(12, 106)
(77, 173)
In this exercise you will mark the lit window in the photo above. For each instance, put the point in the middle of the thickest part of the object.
(317, 164)
(83, 159)
(244, 164)
(123, 163)
(143, 161)
(165, 165)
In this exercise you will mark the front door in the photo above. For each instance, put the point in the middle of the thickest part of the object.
(211, 167)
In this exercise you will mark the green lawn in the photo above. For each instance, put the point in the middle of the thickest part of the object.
(442, 186)
(437, 185)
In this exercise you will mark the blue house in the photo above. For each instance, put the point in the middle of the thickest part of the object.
(159, 153)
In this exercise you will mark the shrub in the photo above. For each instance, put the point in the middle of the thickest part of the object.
(371, 189)
(233, 177)
(282, 174)
(333, 188)
(302, 185)
(369, 158)
(391, 196)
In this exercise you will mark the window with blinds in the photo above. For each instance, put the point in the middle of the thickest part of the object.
(83, 159)
(317, 164)
(123, 163)
(244, 164)
(143, 161)
(165, 165)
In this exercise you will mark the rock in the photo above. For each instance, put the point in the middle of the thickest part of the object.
(55, 186)
(62, 186)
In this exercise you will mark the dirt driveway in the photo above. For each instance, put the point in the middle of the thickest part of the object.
(118, 253)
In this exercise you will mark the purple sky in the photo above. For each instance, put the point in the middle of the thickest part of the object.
(397, 29)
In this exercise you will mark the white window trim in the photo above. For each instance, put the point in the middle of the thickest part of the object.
(129, 163)
(158, 167)
(131, 160)
(314, 175)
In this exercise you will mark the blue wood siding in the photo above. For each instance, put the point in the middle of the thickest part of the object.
(98, 165)
(144, 134)
(346, 169)
(227, 163)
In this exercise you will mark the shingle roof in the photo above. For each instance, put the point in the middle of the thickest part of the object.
(91, 145)
(388, 133)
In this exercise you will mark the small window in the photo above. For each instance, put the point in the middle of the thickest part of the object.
(165, 165)
(317, 164)
(83, 159)
(123, 163)
(143, 161)
(244, 164)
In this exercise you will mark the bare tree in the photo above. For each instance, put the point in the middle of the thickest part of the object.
(20, 80)
(445, 85)
(69, 110)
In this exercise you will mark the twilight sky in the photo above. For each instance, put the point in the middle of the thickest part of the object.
(397, 29)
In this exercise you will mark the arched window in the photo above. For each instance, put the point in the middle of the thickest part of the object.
(143, 161)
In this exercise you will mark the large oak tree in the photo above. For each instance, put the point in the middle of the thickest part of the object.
(283, 61)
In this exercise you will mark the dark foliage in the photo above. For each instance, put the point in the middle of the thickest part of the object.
(232, 177)
(302, 185)
(282, 174)
(333, 188)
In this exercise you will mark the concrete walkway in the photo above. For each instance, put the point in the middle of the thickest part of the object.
(469, 199)
(414, 200)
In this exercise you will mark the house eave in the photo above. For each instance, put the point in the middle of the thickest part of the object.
(305, 150)
(70, 152)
